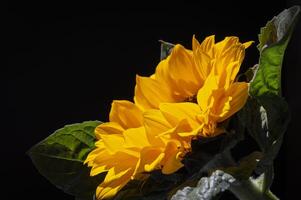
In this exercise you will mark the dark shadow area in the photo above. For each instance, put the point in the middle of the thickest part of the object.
(288, 163)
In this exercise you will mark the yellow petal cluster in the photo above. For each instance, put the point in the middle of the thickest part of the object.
(189, 95)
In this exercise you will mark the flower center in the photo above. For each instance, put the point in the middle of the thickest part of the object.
(192, 99)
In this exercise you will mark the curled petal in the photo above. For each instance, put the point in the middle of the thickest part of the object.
(172, 160)
(113, 182)
(239, 95)
(150, 159)
(204, 96)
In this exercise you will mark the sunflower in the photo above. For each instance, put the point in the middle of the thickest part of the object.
(192, 92)
(189, 95)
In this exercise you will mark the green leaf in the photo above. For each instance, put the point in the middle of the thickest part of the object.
(246, 166)
(166, 48)
(266, 122)
(266, 114)
(60, 157)
(273, 40)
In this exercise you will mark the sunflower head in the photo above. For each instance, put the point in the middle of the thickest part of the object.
(189, 95)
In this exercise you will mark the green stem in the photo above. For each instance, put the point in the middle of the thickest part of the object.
(247, 190)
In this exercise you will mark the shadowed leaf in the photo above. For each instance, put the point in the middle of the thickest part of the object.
(60, 157)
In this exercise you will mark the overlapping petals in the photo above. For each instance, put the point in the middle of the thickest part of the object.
(182, 74)
(125, 150)
(190, 94)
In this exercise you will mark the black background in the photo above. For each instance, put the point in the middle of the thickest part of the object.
(66, 64)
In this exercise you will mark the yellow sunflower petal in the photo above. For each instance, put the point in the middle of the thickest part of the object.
(202, 58)
(204, 95)
(92, 155)
(239, 95)
(229, 75)
(248, 44)
(175, 112)
(172, 161)
(155, 124)
(150, 158)
(183, 71)
(207, 46)
(113, 142)
(179, 73)
(135, 137)
(184, 129)
(113, 183)
(98, 169)
(228, 64)
(100, 161)
(224, 45)
(195, 43)
(126, 113)
(220, 106)
(108, 128)
(163, 76)
(149, 93)
(120, 161)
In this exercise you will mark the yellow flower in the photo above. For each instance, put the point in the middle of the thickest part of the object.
(204, 75)
(189, 94)
(124, 150)
(179, 77)
(194, 91)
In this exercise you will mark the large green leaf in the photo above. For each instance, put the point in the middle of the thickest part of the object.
(266, 114)
(60, 158)
(273, 40)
